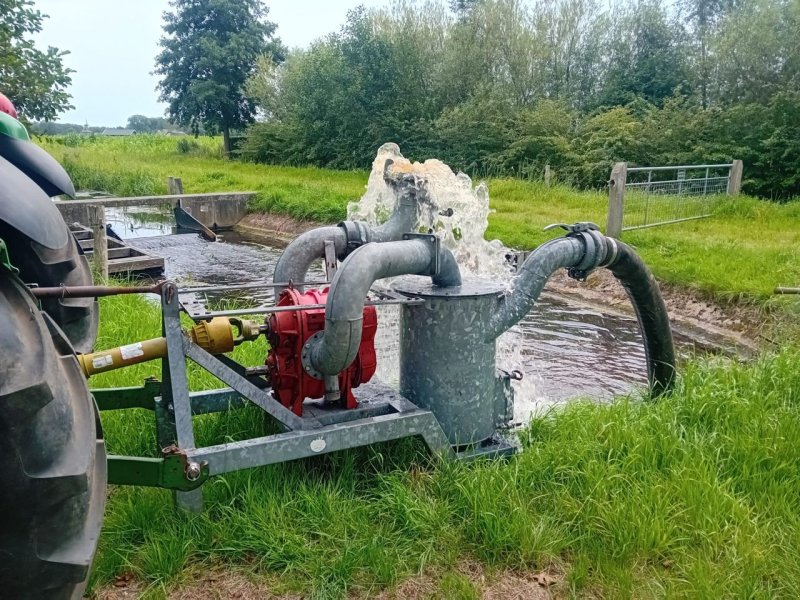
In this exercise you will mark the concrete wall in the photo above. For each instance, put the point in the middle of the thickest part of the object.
(217, 211)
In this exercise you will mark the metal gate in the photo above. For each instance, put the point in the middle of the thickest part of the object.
(642, 197)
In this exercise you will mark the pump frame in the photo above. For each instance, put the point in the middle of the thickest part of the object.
(382, 415)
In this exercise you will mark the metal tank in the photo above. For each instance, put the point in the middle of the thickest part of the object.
(446, 364)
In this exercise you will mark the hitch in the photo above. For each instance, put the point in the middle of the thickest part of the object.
(174, 471)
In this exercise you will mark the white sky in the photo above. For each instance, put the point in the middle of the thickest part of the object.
(113, 44)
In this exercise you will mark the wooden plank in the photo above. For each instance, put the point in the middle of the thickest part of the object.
(133, 264)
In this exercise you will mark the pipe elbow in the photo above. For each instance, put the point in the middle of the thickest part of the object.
(295, 261)
(337, 347)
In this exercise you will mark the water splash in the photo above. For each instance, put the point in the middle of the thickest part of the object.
(458, 213)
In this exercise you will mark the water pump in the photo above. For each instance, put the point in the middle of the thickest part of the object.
(291, 374)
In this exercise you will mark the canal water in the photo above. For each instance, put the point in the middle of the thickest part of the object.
(565, 350)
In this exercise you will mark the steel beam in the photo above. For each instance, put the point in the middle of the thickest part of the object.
(258, 452)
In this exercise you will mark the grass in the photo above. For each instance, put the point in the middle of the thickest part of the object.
(741, 253)
(697, 495)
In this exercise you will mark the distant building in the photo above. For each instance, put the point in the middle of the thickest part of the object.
(118, 132)
(171, 132)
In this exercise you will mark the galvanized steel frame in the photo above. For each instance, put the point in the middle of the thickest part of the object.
(383, 415)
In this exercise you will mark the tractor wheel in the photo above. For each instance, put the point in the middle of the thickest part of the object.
(52, 455)
(68, 266)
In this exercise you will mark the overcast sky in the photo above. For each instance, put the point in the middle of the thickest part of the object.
(113, 44)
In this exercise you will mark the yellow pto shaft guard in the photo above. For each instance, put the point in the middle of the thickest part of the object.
(216, 336)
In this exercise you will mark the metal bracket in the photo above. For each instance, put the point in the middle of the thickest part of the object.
(436, 242)
(174, 471)
(330, 260)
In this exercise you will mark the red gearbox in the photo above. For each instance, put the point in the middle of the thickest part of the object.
(289, 331)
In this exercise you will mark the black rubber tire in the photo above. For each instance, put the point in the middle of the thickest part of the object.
(52, 455)
(77, 317)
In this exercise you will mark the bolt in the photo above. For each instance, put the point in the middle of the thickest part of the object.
(193, 471)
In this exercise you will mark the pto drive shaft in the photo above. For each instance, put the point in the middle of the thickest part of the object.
(215, 336)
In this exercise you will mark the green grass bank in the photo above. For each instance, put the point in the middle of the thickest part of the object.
(694, 496)
(747, 248)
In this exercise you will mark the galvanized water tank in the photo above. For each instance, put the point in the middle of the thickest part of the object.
(445, 364)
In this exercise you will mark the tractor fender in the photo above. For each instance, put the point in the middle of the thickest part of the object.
(26, 207)
(37, 164)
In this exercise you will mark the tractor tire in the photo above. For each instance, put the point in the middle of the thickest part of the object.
(52, 455)
(77, 317)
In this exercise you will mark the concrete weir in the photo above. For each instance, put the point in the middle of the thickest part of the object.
(217, 211)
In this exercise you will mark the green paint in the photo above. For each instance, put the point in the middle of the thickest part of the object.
(167, 472)
(11, 127)
(5, 259)
(142, 396)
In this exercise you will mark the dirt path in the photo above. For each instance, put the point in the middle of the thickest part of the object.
(225, 584)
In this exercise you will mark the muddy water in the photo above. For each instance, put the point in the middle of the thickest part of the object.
(567, 350)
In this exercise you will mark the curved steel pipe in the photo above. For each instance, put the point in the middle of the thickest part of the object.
(294, 262)
(337, 347)
(297, 258)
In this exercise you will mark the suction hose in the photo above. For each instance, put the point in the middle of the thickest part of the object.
(334, 350)
(583, 250)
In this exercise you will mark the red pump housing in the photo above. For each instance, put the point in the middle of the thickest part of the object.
(288, 333)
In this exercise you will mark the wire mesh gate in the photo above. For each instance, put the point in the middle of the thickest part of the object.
(642, 197)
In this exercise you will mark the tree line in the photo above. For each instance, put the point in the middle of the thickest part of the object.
(504, 87)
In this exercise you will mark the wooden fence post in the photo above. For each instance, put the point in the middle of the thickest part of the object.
(735, 179)
(547, 175)
(616, 199)
(97, 222)
(174, 186)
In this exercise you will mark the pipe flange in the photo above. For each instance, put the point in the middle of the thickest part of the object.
(305, 355)
(357, 233)
(436, 243)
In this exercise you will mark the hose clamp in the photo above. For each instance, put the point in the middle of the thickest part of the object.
(357, 233)
(593, 243)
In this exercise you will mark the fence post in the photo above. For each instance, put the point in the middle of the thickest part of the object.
(547, 175)
(735, 178)
(97, 222)
(616, 199)
(174, 186)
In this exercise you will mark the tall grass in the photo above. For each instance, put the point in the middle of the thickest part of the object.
(742, 253)
(696, 496)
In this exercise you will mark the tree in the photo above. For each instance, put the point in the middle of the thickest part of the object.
(144, 124)
(34, 80)
(647, 59)
(209, 51)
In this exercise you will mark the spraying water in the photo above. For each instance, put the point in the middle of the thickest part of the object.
(458, 213)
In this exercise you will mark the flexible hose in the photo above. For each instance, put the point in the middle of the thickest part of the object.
(639, 283)
(651, 312)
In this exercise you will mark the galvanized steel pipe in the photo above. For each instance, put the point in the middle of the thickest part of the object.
(336, 348)
(297, 258)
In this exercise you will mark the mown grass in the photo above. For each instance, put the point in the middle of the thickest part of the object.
(697, 495)
(742, 253)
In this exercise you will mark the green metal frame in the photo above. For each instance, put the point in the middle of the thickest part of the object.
(168, 472)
